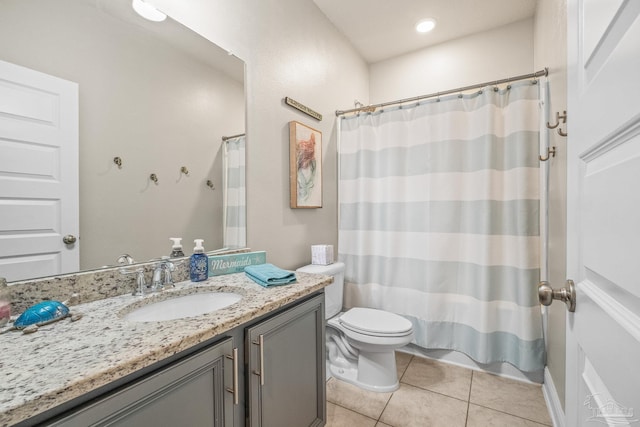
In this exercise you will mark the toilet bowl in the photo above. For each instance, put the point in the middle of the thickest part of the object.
(361, 342)
(365, 347)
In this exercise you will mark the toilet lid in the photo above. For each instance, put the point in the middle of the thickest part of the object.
(370, 320)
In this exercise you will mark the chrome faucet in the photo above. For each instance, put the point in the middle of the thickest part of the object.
(141, 283)
(156, 279)
(162, 276)
(160, 279)
(168, 267)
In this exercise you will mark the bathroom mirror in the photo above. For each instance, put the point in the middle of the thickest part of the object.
(155, 95)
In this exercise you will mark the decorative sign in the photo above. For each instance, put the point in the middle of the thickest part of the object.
(234, 263)
(295, 104)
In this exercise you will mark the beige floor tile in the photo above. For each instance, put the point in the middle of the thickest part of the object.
(444, 378)
(380, 424)
(365, 402)
(485, 417)
(402, 361)
(337, 416)
(510, 396)
(414, 407)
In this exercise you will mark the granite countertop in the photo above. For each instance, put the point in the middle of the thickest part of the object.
(65, 359)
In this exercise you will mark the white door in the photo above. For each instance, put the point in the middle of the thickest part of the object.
(603, 221)
(38, 173)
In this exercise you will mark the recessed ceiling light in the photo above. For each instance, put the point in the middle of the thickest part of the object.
(148, 11)
(426, 25)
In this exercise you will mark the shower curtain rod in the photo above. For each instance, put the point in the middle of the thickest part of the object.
(372, 108)
(226, 138)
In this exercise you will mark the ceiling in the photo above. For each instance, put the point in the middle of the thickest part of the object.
(383, 29)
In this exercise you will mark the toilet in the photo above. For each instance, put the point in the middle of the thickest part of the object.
(361, 342)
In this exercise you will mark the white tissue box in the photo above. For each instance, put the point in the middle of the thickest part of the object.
(321, 254)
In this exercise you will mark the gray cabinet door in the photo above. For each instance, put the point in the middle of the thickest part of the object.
(286, 369)
(190, 392)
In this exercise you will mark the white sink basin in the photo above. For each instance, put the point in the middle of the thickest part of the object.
(183, 306)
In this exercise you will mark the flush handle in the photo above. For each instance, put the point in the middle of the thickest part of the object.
(546, 294)
(69, 239)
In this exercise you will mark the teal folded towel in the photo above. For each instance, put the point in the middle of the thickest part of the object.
(269, 275)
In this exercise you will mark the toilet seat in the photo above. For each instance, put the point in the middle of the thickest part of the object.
(379, 323)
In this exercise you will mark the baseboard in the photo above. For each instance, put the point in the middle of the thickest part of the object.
(552, 399)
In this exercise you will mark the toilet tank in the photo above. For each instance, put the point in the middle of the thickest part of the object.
(333, 294)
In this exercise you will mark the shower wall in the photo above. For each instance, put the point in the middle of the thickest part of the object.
(502, 52)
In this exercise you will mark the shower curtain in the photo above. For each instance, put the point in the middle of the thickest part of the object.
(235, 206)
(439, 220)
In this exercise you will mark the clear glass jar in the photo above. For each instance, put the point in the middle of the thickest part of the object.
(5, 302)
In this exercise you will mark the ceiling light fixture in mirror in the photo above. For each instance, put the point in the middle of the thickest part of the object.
(148, 11)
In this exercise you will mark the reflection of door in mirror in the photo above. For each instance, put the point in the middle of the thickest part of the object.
(38, 173)
(235, 230)
(157, 96)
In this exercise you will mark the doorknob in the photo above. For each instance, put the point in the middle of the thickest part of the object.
(69, 239)
(546, 294)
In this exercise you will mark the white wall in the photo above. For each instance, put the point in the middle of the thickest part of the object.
(290, 49)
(550, 49)
(499, 53)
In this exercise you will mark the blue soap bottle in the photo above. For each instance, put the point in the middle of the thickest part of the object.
(198, 263)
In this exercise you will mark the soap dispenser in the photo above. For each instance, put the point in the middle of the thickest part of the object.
(198, 263)
(176, 248)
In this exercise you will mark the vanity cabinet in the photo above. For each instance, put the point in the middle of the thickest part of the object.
(286, 368)
(281, 382)
(190, 392)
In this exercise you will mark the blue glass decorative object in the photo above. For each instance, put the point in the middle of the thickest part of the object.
(41, 314)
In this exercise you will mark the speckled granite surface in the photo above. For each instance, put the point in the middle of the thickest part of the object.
(66, 359)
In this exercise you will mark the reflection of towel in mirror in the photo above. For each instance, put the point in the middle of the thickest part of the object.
(269, 275)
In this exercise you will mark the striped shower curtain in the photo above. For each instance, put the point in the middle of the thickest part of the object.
(439, 221)
(235, 205)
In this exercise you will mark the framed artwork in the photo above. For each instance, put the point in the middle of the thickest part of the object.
(305, 166)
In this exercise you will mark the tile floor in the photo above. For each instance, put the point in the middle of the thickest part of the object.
(437, 394)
